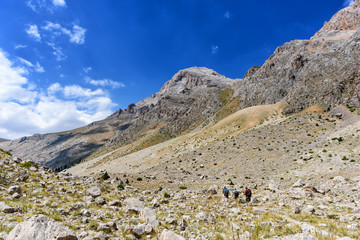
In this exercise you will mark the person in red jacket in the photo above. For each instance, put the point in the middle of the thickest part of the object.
(247, 193)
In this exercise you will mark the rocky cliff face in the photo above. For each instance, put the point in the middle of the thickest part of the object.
(324, 70)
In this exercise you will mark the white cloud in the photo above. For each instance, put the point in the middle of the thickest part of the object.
(76, 35)
(87, 69)
(25, 109)
(20, 46)
(227, 15)
(60, 3)
(49, 5)
(75, 91)
(348, 3)
(214, 49)
(33, 31)
(28, 66)
(57, 52)
(104, 83)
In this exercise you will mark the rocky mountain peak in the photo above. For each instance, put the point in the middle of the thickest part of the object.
(192, 78)
(342, 25)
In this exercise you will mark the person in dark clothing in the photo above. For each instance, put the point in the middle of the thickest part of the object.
(247, 194)
(236, 194)
(226, 192)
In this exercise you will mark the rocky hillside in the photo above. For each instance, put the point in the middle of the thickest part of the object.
(191, 97)
(324, 70)
(38, 204)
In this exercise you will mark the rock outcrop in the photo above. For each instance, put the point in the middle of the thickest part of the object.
(40, 227)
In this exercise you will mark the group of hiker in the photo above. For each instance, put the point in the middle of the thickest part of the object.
(236, 193)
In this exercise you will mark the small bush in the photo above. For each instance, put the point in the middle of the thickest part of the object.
(105, 176)
(183, 187)
(120, 186)
(139, 179)
(26, 164)
(344, 158)
(166, 195)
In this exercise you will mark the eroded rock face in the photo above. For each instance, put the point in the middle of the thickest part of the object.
(40, 227)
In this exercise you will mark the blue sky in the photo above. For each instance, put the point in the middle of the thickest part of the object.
(66, 63)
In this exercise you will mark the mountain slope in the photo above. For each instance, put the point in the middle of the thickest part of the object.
(192, 96)
(322, 71)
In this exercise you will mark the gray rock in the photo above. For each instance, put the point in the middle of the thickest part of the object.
(299, 183)
(7, 209)
(23, 176)
(148, 216)
(170, 235)
(213, 190)
(3, 236)
(297, 210)
(77, 206)
(14, 189)
(100, 200)
(94, 191)
(309, 210)
(40, 227)
(115, 203)
(133, 205)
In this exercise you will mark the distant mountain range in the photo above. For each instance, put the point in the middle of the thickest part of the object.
(322, 71)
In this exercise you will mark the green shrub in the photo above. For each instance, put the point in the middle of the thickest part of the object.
(120, 186)
(26, 164)
(105, 176)
(166, 195)
(139, 179)
(183, 187)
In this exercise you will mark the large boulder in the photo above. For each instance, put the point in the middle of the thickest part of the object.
(40, 227)
(133, 205)
(94, 191)
(148, 216)
(170, 235)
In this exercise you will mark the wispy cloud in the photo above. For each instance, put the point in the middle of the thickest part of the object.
(104, 83)
(87, 69)
(19, 46)
(29, 66)
(49, 5)
(57, 52)
(76, 35)
(348, 3)
(33, 32)
(60, 3)
(214, 49)
(227, 15)
(25, 109)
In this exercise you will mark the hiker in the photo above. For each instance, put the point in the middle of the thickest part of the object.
(236, 194)
(247, 193)
(226, 192)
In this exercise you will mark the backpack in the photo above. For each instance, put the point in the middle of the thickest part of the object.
(236, 194)
(248, 192)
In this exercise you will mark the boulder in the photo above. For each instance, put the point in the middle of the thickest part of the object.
(40, 227)
(7, 209)
(15, 189)
(94, 191)
(100, 200)
(299, 183)
(170, 235)
(213, 190)
(23, 176)
(133, 205)
(148, 216)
